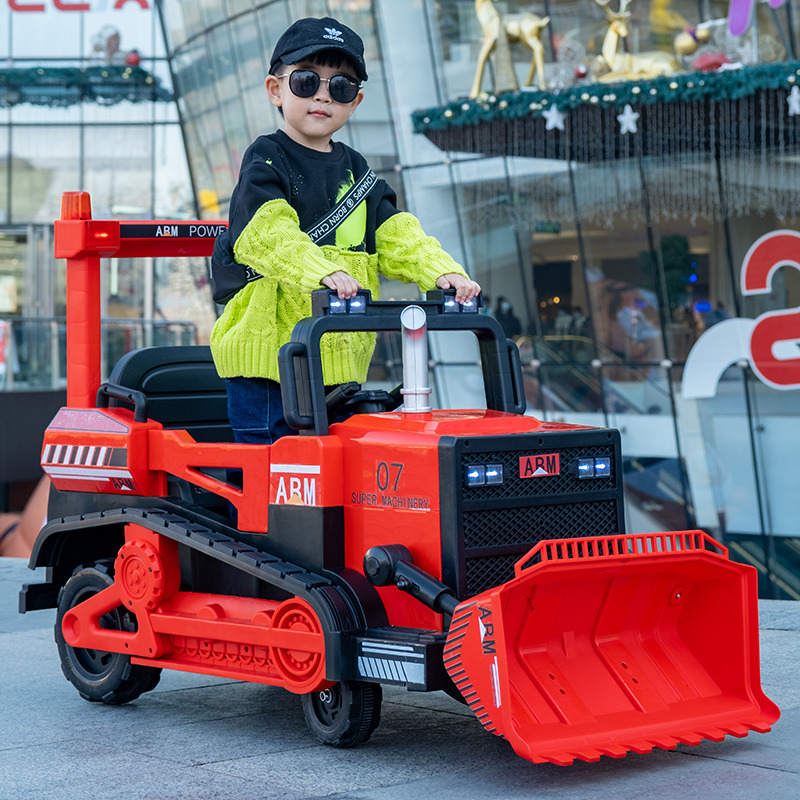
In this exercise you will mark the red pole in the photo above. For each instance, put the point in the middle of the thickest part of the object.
(82, 241)
(83, 312)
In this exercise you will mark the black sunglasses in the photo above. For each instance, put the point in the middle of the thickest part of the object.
(305, 83)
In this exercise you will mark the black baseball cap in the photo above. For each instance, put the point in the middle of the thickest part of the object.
(311, 35)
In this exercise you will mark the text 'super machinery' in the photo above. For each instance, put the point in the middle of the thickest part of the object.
(478, 552)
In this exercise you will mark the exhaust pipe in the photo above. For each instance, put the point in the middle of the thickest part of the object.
(415, 389)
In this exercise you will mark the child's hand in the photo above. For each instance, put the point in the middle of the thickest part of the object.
(465, 288)
(342, 283)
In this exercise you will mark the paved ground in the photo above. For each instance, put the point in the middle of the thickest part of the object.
(199, 738)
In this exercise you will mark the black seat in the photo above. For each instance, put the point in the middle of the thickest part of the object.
(182, 387)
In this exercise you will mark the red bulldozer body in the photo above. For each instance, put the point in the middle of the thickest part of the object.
(477, 552)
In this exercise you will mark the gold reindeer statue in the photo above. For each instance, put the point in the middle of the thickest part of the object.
(498, 31)
(614, 66)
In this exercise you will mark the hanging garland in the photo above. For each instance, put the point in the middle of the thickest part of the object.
(700, 145)
(731, 84)
(65, 86)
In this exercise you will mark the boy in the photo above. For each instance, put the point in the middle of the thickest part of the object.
(289, 184)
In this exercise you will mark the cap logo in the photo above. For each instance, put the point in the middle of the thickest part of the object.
(332, 33)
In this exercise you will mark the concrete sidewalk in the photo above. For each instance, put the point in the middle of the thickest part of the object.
(198, 738)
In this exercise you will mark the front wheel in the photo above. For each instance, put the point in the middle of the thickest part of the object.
(100, 676)
(344, 715)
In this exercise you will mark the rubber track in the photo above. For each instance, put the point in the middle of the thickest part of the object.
(316, 589)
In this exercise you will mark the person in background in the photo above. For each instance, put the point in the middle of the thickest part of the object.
(633, 335)
(579, 319)
(563, 322)
(504, 314)
(719, 314)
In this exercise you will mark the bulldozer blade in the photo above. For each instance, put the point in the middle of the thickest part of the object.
(605, 645)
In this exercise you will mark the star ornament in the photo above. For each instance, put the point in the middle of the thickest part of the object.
(627, 120)
(555, 119)
(794, 102)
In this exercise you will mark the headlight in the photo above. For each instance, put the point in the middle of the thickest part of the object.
(476, 475)
(337, 305)
(602, 467)
(451, 306)
(494, 474)
(593, 467)
(483, 475)
(358, 305)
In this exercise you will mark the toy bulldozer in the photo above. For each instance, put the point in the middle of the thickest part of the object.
(477, 552)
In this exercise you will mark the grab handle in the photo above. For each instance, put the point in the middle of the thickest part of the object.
(290, 377)
(136, 399)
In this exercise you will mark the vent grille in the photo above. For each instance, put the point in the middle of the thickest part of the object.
(496, 525)
(514, 486)
(485, 572)
(530, 524)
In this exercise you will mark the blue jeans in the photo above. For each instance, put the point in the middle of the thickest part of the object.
(255, 410)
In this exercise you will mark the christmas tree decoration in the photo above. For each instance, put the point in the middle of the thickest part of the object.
(555, 119)
(711, 62)
(663, 20)
(499, 31)
(106, 84)
(613, 65)
(627, 120)
(687, 42)
(711, 44)
(794, 101)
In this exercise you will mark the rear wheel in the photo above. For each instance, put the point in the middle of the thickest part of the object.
(100, 676)
(344, 715)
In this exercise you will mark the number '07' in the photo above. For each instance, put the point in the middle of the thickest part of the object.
(385, 473)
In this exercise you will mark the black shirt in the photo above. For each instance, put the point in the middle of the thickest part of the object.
(276, 167)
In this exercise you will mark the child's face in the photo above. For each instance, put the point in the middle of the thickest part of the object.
(311, 121)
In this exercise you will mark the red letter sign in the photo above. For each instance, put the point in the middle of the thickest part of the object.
(15, 5)
(770, 252)
(539, 465)
(63, 5)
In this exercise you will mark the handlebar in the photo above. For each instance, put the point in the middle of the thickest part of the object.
(300, 361)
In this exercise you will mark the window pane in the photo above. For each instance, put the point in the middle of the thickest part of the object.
(174, 22)
(14, 290)
(61, 32)
(173, 191)
(118, 171)
(4, 167)
(45, 163)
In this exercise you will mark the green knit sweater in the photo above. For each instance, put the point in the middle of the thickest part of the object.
(260, 317)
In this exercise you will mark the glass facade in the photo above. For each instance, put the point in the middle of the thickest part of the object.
(86, 104)
(605, 269)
